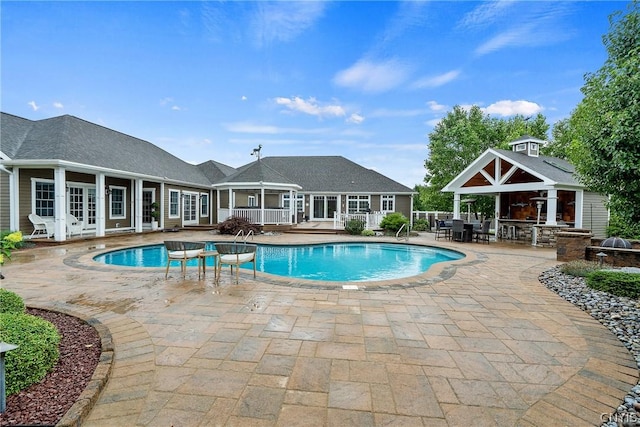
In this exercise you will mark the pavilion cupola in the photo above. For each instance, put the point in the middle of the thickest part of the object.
(527, 145)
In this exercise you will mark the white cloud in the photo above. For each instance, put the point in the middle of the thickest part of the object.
(243, 98)
(372, 77)
(311, 107)
(433, 122)
(33, 105)
(437, 81)
(58, 105)
(486, 13)
(355, 118)
(176, 108)
(506, 108)
(284, 20)
(434, 106)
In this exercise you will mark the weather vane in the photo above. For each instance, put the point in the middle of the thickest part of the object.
(256, 151)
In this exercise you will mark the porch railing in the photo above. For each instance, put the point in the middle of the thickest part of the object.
(371, 220)
(271, 216)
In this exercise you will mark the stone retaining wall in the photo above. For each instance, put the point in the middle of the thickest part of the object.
(579, 244)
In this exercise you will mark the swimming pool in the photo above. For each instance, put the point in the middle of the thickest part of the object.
(341, 262)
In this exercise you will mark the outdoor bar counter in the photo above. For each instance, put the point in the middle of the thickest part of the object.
(528, 230)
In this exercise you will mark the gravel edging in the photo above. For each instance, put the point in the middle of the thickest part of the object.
(76, 415)
(620, 315)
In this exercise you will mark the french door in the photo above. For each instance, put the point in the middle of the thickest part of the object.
(189, 208)
(324, 207)
(81, 203)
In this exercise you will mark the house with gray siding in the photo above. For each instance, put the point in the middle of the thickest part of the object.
(112, 182)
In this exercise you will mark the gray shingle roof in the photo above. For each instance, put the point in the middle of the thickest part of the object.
(71, 139)
(554, 168)
(256, 172)
(216, 171)
(333, 174)
(75, 140)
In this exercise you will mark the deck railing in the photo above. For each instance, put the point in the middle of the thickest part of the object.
(371, 220)
(271, 216)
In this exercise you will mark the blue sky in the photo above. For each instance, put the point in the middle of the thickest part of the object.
(364, 80)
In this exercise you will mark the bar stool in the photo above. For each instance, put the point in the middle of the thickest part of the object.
(513, 232)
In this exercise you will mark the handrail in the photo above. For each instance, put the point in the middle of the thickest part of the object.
(245, 237)
(398, 233)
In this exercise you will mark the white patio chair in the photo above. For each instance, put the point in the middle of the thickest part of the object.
(74, 225)
(236, 254)
(182, 252)
(41, 226)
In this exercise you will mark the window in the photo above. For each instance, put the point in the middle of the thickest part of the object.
(358, 204)
(174, 203)
(204, 204)
(534, 149)
(44, 198)
(521, 147)
(251, 201)
(388, 203)
(299, 202)
(117, 202)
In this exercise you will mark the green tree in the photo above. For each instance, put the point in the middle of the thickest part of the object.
(460, 137)
(606, 123)
(562, 138)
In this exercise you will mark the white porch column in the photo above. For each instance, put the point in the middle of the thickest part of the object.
(579, 209)
(456, 205)
(60, 204)
(230, 201)
(137, 205)
(552, 207)
(101, 205)
(161, 203)
(496, 217)
(292, 207)
(261, 204)
(14, 197)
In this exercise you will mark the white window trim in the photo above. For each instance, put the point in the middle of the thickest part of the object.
(177, 192)
(252, 201)
(34, 181)
(384, 197)
(124, 202)
(205, 196)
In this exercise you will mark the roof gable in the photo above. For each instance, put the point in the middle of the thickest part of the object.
(512, 169)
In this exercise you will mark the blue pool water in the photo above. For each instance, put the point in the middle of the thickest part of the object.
(348, 262)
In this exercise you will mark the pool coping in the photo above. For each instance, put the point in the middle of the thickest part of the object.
(436, 273)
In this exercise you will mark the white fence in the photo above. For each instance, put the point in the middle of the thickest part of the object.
(371, 220)
(271, 216)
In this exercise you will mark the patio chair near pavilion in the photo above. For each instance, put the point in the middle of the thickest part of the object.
(74, 225)
(443, 230)
(483, 233)
(457, 230)
(236, 254)
(182, 252)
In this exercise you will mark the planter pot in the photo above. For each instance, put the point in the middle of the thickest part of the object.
(154, 225)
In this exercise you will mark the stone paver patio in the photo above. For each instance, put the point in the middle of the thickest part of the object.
(475, 342)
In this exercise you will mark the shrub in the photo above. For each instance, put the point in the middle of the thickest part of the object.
(10, 302)
(368, 233)
(234, 224)
(615, 282)
(354, 226)
(579, 268)
(37, 351)
(618, 227)
(421, 224)
(393, 222)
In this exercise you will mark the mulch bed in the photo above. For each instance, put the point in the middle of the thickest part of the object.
(45, 403)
